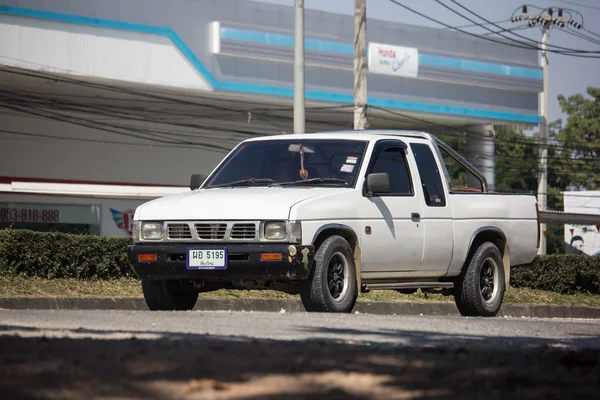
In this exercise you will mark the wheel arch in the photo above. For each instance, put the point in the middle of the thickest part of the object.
(494, 235)
(347, 233)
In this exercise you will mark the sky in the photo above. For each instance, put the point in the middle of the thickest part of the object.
(567, 75)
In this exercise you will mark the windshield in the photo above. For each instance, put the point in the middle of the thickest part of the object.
(291, 162)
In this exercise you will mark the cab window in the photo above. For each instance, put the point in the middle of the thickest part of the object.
(431, 180)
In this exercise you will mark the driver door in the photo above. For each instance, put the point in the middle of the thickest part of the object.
(392, 235)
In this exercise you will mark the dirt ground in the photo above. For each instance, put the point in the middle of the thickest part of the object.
(204, 367)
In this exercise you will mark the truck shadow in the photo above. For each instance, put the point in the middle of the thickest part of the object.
(425, 366)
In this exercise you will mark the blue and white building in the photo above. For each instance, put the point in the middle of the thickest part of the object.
(107, 103)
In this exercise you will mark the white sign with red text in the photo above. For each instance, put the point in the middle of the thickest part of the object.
(393, 60)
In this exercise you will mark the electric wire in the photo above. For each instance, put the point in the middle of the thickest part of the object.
(581, 36)
(573, 53)
(513, 29)
(504, 36)
(579, 4)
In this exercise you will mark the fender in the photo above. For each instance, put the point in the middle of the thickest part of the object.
(349, 231)
(505, 251)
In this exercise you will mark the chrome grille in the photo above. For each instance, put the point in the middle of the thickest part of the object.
(210, 231)
(243, 231)
(179, 231)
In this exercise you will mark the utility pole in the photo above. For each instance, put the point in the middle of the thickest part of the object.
(547, 21)
(299, 114)
(360, 64)
(543, 151)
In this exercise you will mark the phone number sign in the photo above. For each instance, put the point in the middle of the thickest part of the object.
(49, 213)
(14, 214)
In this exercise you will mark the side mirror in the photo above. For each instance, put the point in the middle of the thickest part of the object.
(197, 181)
(378, 183)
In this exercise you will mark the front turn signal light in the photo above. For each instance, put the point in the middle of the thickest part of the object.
(147, 257)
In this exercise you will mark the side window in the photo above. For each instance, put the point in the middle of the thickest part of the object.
(430, 175)
(393, 162)
(461, 179)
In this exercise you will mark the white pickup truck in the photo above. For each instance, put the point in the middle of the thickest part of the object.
(329, 215)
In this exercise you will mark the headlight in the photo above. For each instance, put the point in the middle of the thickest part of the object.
(135, 231)
(275, 230)
(152, 231)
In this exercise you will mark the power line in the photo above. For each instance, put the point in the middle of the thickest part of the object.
(109, 128)
(154, 95)
(581, 36)
(513, 29)
(104, 111)
(317, 109)
(479, 25)
(458, 131)
(268, 116)
(504, 36)
(593, 33)
(579, 4)
(102, 141)
(452, 130)
(574, 53)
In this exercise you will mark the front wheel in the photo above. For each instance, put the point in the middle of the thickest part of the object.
(479, 289)
(331, 286)
(169, 295)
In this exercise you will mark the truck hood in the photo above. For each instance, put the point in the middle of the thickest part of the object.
(240, 203)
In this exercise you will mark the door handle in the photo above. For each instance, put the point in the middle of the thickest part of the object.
(415, 216)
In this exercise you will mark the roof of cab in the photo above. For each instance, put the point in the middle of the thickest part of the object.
(366, 134)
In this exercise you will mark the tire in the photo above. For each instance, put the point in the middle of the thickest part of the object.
(479, 289)
(331, 285)
(305, 290)
(168, 295)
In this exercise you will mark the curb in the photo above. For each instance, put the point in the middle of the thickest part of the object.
(291, 305)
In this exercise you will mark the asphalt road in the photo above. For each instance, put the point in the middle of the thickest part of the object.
(350, 328)
(75, 354)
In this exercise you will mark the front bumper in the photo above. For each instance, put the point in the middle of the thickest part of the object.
(244, 262)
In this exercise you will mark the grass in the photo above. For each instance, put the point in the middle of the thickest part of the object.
(11, 286)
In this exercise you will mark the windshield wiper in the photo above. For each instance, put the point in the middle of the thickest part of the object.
(245, 182)
(315, 180)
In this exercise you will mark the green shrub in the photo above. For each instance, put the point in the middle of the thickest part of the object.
(562, 273)
(59, 255)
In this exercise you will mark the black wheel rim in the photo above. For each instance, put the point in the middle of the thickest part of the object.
(337, 276)
(488, 280)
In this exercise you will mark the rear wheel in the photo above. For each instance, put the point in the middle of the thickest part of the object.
(331, 286)
(479, 289)
(169, 295)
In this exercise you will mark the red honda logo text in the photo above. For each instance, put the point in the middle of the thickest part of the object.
(388, 53)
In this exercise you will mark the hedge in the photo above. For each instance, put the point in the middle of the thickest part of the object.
(562, 273)
(59, 255)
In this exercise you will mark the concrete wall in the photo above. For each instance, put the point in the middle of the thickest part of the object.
(99, 156)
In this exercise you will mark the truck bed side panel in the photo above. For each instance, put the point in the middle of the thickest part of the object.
(515, 215)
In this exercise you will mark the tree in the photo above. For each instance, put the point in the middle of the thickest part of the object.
(579, 139)
(573, 157)
(516, 158)
(517, 166)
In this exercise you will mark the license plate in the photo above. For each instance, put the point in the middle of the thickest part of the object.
(206, 259)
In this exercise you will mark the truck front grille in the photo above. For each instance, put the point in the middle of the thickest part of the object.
(243, 231)
(206, 231)
(179, 231)
(210, 231)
